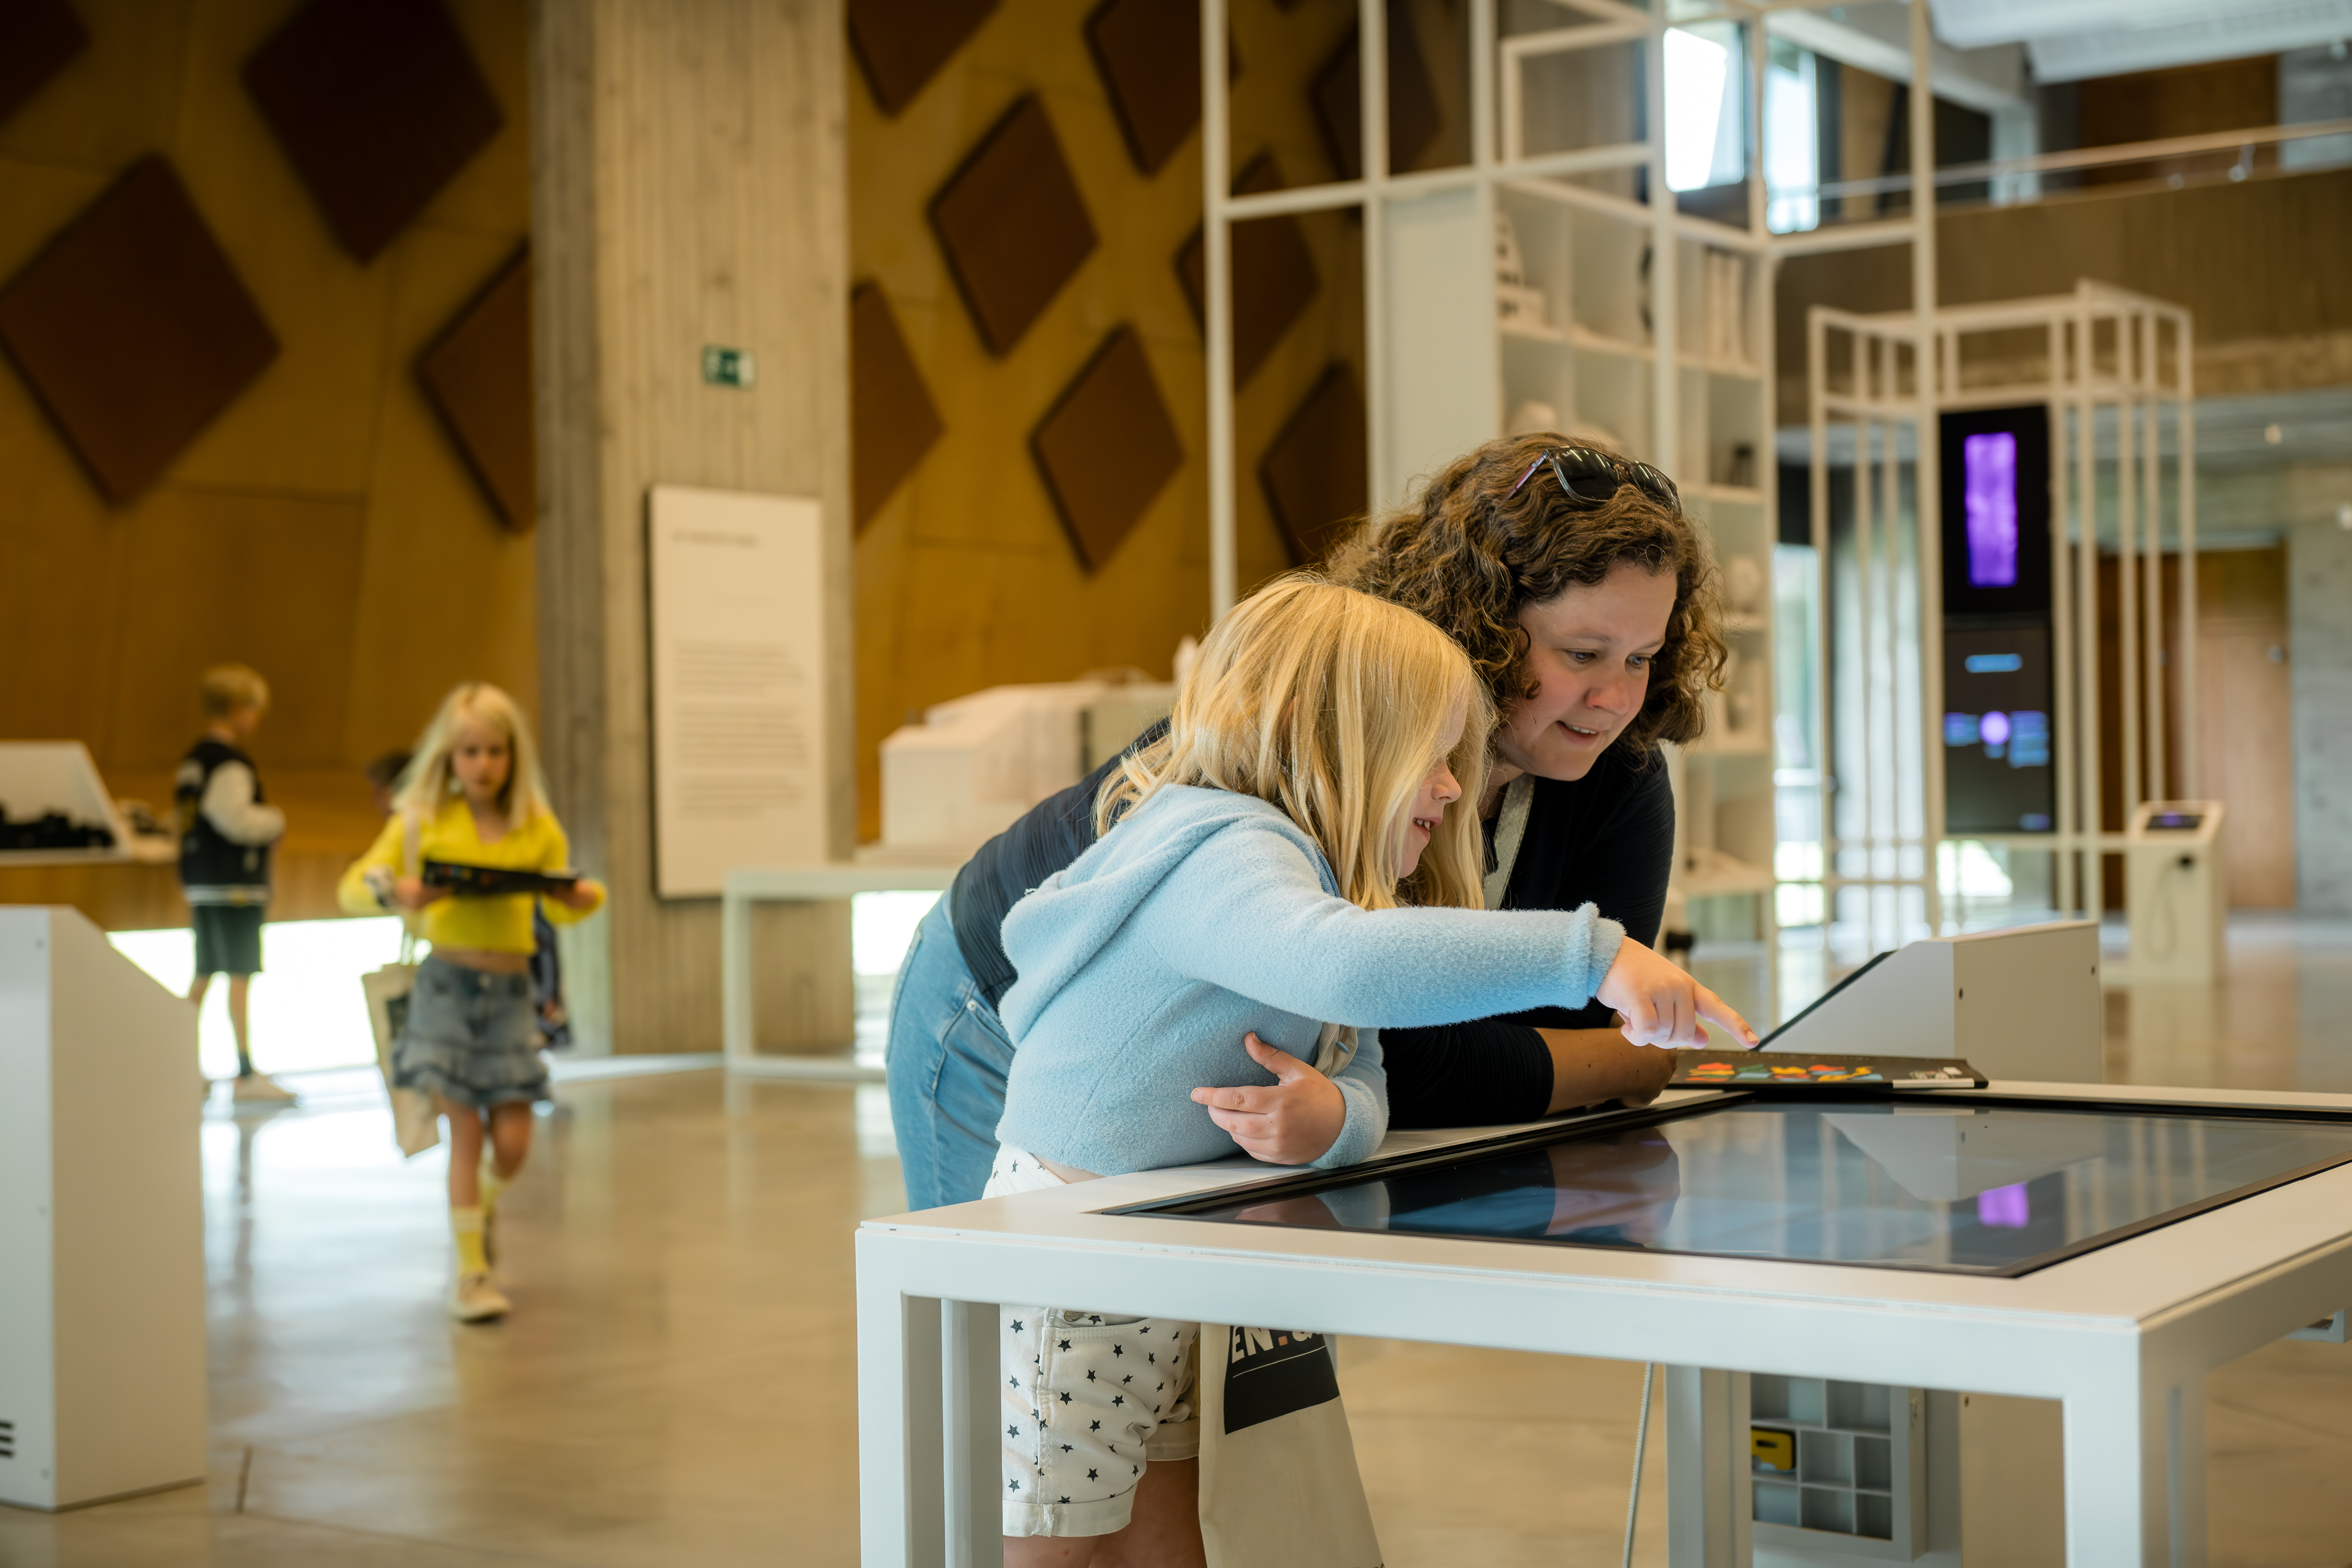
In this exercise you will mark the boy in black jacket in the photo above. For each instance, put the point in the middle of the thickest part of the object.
(226, 832)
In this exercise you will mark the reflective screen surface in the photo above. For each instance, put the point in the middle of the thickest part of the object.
(1994, 1189)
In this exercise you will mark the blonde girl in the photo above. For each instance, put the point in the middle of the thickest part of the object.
(1281, 874)
(472, 796)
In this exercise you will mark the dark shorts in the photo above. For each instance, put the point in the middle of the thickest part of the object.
(228, 938)
(471, 1038)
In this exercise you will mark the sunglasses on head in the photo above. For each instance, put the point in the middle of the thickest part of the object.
(1588, 478)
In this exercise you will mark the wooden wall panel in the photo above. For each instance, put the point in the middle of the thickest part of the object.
(1314, 473)
(1107, 447)
(207, 582)
(1274, 273)
(378, 104)
(400, 582)
(134, 328)
(1013, 224)
(966, 576)
(1415, 123)
(1140, 46)
(2254, 260)
(2187, 100)
(892, 419)
(421, 627)
(38, 37)
(477, 376)
(901, 44)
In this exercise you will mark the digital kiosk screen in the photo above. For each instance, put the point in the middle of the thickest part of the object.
(1998, 693)
(1996, 1188)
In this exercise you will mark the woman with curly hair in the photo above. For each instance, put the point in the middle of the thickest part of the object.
(1586, 601)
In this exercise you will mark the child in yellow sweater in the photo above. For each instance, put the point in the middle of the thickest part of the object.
(472, 796)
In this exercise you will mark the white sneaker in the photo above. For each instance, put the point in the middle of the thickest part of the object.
(260, 1086)
(478, 1300)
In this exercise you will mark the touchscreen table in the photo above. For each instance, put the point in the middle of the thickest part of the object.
(1996, 1188)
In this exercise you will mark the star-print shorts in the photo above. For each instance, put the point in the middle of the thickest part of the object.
(1090, 1400)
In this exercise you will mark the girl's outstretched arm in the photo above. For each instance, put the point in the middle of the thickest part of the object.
(1248, 911)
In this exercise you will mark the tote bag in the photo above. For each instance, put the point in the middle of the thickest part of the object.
(415, 1122)
(1279, 1487)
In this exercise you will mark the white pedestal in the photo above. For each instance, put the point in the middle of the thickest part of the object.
(101, 1221)
(2021, 1003)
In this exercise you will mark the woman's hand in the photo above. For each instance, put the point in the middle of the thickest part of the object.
(411, 893)
(1292, 1122)
(1661, 1004)
(584, 894)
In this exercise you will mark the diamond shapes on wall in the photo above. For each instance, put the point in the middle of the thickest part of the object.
(478, 376)
(36, 38)
(1314, 473)
(1414, 118)
(902, 44)
(378, 104)
(1013, 224)
(133, 330)
(1140, 48)
(892, 420)
(1107, 447)
(1274, 273)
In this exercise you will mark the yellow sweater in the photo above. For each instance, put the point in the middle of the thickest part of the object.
(500, 924)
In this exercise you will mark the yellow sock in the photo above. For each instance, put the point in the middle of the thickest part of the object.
(466, 1226)
(493, 1185)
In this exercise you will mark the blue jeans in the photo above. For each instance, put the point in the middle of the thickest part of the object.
(947, 1059)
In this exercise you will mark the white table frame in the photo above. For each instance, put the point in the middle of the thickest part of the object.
(748, 885)
(2122, 1336)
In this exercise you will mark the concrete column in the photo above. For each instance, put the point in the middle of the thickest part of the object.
(688, 188)
(2319, 646)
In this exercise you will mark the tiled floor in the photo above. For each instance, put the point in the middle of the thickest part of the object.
(676, 1385)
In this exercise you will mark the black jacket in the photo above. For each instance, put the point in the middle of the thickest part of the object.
(213, 868)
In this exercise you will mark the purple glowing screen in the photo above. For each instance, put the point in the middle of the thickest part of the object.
(2005, 1207)
(1989, 469)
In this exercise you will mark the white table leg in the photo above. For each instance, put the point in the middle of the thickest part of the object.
(735, 976)
(975, 1507)
(1710, 1509)
(2136, 1474)
(900, 1518)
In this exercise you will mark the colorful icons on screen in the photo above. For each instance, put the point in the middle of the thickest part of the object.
(2020, 737)
(1761, 1072)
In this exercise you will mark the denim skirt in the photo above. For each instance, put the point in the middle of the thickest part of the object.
(470, 1038)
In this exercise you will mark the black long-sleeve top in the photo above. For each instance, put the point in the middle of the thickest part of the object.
(1605, 840)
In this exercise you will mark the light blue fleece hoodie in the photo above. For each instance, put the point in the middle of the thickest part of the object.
(1206, 915)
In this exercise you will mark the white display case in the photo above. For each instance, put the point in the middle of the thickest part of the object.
(38, 777)
(101, 1221)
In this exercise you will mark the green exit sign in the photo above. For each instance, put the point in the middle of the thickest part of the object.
(728, 367)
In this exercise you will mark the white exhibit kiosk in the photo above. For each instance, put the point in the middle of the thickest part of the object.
(101, 1221)
(1816, 1267)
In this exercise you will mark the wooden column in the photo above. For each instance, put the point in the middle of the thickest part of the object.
(688, 189)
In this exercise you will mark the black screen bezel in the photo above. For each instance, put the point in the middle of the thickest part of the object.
(1192, 1206)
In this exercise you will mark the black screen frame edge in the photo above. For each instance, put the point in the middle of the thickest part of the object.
(1188, 1206)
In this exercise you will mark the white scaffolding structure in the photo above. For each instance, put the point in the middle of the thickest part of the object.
(2113, 370)
(1436, 370)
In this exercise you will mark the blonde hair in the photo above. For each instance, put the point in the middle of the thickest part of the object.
(428, 782)
(1331, 705)
(229, 687)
